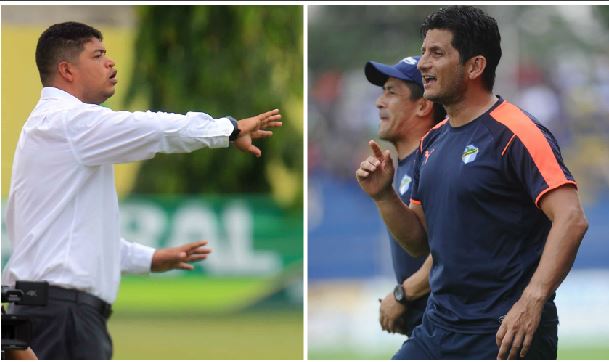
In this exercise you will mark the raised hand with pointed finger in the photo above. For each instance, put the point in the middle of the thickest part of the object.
(376, 173)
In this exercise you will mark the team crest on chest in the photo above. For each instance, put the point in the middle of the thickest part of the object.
(405, 184)
(469, 154)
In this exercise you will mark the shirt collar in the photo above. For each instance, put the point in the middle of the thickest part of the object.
(56, 93)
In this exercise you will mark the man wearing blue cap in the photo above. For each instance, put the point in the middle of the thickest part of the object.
(405, 116)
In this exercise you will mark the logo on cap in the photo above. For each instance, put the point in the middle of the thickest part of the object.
(410, 60)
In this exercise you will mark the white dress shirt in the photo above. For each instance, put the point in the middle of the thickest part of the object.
(62, 214)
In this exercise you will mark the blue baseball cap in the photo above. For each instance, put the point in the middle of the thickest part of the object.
(406, 70)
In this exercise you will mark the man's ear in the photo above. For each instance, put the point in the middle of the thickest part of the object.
(65, 70)
(424, 107)
(475, 66)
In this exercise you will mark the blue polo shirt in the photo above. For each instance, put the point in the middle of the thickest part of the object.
(404, 265)
(479, 186)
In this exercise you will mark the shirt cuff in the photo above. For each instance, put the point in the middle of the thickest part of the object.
(235, 133)
(226, 124)
(136, 258)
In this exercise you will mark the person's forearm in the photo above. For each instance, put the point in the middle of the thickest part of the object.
(403, 224)
(558, 255)
(417, 285)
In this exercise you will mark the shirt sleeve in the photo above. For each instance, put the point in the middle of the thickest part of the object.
(100, 136)
(135, 258)
(537, 163)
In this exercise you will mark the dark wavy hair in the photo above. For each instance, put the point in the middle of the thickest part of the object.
(474, 33)
(60, 42)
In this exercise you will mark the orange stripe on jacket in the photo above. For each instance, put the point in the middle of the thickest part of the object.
(432, 128)
(508, 145)
(535, 143)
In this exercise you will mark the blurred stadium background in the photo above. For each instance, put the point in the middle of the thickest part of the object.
(246, 301)
(555, 64)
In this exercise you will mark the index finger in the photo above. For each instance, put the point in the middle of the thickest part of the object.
(500, 334)
(376, 150)
(270, 113)
(195, 244)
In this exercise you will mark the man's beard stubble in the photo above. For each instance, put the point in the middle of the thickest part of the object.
(453, 93)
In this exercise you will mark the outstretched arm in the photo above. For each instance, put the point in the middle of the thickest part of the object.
(569, 225)
(98, 135)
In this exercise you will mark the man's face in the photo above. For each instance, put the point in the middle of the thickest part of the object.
(396, 109)
(94, 73)
(443, 74)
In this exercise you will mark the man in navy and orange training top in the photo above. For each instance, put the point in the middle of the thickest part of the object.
(491, 199)
(405, 116)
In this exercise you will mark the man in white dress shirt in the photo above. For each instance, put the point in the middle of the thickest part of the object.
(62, 215)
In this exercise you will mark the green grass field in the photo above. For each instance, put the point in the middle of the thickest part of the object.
(198, 317)
(565, 352)
(192, 293)
(255, 335)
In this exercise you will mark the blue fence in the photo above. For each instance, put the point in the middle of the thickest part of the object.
(347, 238)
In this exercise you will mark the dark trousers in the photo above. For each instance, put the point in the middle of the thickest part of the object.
(71, 326)
(430, 341)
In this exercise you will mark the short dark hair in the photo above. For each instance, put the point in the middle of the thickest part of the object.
(60, 42)
(474, 33)
(416, 93)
